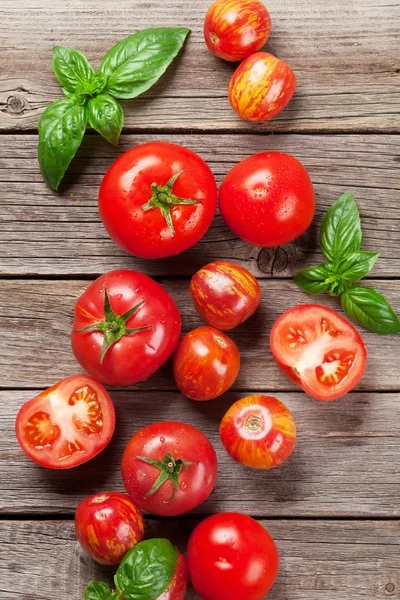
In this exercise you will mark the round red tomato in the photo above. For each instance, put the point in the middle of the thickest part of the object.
(261, 87)
(319, 350)
(157, 199)
(258, 432)
(234, 29)
(67, 424)
(231, 557)
(267, 199)
(168, 468)
(107, 525)
(126, 326)
(224, 294)
(206, 363)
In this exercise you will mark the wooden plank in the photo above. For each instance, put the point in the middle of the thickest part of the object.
(319, 560)
(345, 463)
(344, 55)
(47, 233)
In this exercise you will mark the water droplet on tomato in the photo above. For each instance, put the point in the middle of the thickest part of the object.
(162, 439)
(183, 486)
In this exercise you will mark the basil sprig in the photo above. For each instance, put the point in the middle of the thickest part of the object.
(130, 68)
(340, 240)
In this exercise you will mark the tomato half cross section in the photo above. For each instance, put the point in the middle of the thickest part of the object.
(319, 350)
(67, 424)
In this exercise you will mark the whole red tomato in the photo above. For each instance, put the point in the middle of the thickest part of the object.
(168, 468)
(107, 525)
(158, 199)
(231, 557)
(261, 87)
(68, 424)
(234, 29)
(206, 363)
(258, 432)
(126, 326)
(267, 199)
(224, 294)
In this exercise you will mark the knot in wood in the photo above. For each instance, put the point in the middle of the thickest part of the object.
(16, 104)
(278, 261)
(390, 588)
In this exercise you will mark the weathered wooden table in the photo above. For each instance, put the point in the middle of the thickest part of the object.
(334, 508)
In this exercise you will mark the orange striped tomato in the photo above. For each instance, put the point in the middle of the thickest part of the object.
(234, 29)
(261, 87)
(259, 432)
(224, 294)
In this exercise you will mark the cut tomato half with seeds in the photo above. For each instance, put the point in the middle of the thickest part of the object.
(67, 424)
(319, 350)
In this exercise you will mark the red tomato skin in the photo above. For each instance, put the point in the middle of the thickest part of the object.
(258, 432)
(107, 525)
(234, 29)
(183, 442)
(126, 188)
(206, 363)
(134, 357)
(261, 87)
(267, 199)
(231, 557)
(177, 588)
(224, 294)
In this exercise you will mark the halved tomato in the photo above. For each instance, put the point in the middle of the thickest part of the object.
(319, 350)
(67, 424)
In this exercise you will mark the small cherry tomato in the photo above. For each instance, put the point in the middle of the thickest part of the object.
(261, 87)
(258, 432)
(231, 557)
(206, 363)
(224, 294)
(319, 350)
(234, 29)
(107, 525)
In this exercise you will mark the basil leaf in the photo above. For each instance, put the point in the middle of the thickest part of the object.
(313, 279)
(137, 62)
(146, 570)
(61, 129)
(356, 265)
(368, 308)
(106, 116)
(341, 229)
(71, 68)
(96, 590)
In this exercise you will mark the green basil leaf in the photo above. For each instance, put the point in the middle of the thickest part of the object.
(137, 62)
(96, 590)
(356, 265)
(341, 229)
(61, 129)
(146, 570)
(313, 280)
(368, 308)
(71, 68)
(106, 116)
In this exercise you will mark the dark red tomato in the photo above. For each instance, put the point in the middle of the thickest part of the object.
(267, 199)
(206, 363)
(169, 468)
(107, 525)
(126, 326)
(258, 432)
(231, 557)
(234, 29)
(157, 199)
(261, 87)
(224, 294)
(66, 425)
(319, 350)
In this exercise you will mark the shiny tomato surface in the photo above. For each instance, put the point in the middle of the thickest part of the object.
(261, 87)
(67, 424)
(258, 432)
(137, 345)
(234, 29)
(107, 525)
(232, 557)
(224, 294)
(319, 350)
(157, 199)
(206, 363)
(267, 199)
(169, 468)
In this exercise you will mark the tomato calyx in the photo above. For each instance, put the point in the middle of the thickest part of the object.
(163, 198)
(170, 468)
(253, 424)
